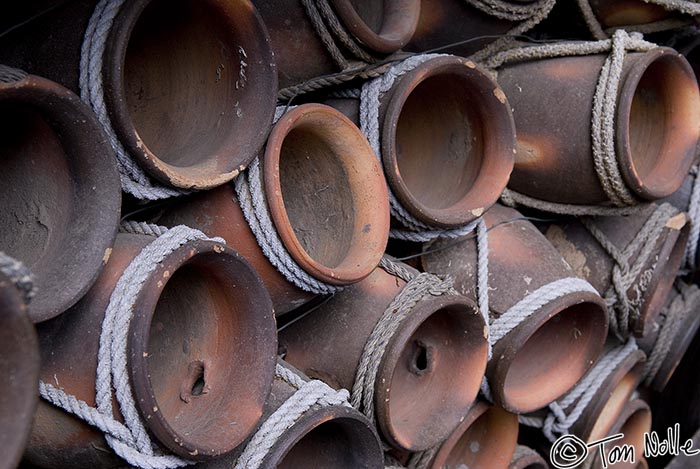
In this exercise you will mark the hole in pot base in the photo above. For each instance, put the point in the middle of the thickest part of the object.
(194, 363)
(558, 353)
(37, 195)
(487, 441)
(661, 127)
(439, 137)
(317, 192)
(440, 367)
(337, 443)
(184, 84)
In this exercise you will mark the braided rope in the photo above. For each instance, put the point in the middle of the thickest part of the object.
(133, 179)
(10, 74)
(694, 220)
(686, 301)
(308, 395)
(371, 94)
(19, 275)
(143, 228)
(624, 312)
(603, 109)
(566, 411)
(130, 440)
(420, 286)
(515, 199)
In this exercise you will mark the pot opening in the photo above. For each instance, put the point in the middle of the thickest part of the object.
(638, 423)
(339, 443)
(559, 353)
(202, 362)
(616, 402)
(661, 130)
(190, 90)
(440, 364)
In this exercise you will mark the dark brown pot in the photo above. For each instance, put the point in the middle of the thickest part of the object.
(487, 437)
(612, 13)
(380, 27)
(436, 357)
(655, 135)
(19, 366)
(590, 261)
(201, 354)
(574, 325)
(324, 437)
(445, 121)
(527, 458)
(61, 198)
(192, 116)
(327, 199)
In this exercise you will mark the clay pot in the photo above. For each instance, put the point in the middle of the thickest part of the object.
(324, 437)
(620, 13)
(681, 200)
(590, 261)
(558, 343)
(446, 23)
(61, 198)
(680, 343)
(201, 354)
(633, 422)
(191, 116)
(380, 28)
(19, 366)
(527, 458)
(656, 135)
(436, 357)
(327, 199)
(487, 437)
(445, 121)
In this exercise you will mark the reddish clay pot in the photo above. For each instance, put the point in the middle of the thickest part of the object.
(380, 27)
(487, 437)
(634, 421)
(192, 116)
(620, 13)
(329, 205)
(527, 458)
(324, 437)
(558, 343)
(448, 121)
(436, 357)
(201, 308)
(590, 261)
(19, 366)
(655, 135)
(61, 197)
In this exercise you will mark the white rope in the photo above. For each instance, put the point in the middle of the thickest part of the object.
(134, 180)
(130, 440)
(19, 275)
(603, 111)
(253, 203)
(10, 74)
(526, 307)
(371, 94)
(308, 395)
(694, 220)
(565, 412)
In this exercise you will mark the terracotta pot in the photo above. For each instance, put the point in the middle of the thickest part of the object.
(444, 23)
(324, 437)
(681, 200)
(445, 121)
(191, 116)
(574, 325)
(487, 437)
(329, 205)
(612, 13)
(633, 422)
(380, 27)
(19, 366)
(436, 357)
(527, 458)
(655, 132)
(590, 261)
(61, 198)
(201, 308)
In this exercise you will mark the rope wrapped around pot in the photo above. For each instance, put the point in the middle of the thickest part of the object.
(19, 275)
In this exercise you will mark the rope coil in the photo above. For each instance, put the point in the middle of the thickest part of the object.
(20, 276)
(10, 74)
(308, 395)
(694, 221)
(603, 114)
(129, 440)
(133, 179)
(624, 312)
(565, 412)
